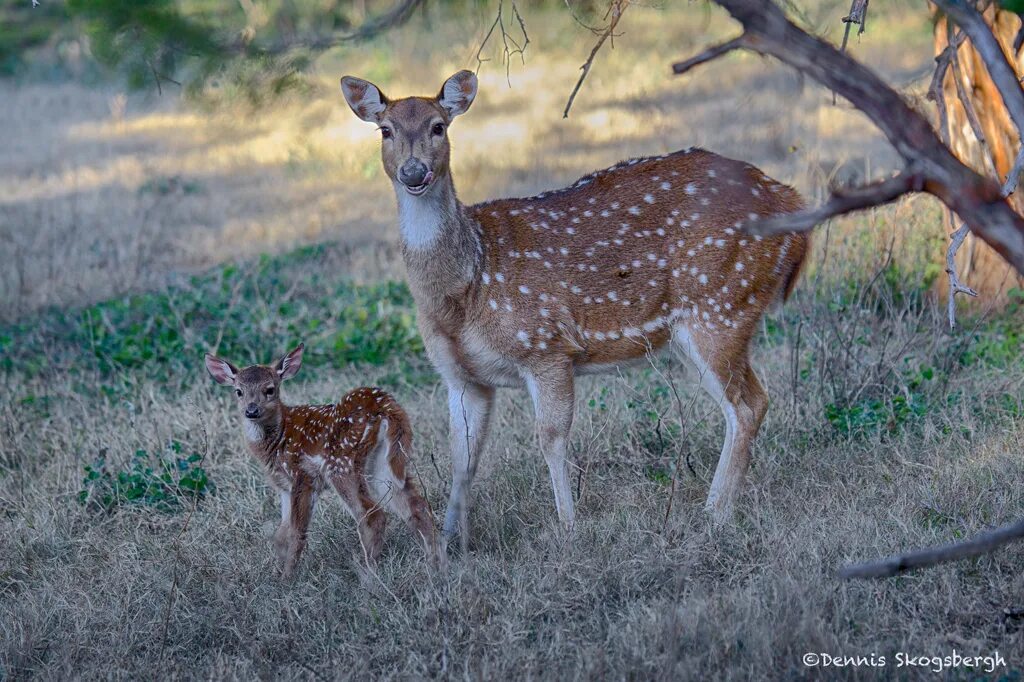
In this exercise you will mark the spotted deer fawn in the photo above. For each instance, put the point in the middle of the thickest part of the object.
(535, 291)
(359, 446)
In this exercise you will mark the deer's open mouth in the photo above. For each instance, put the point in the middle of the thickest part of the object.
(419, 189)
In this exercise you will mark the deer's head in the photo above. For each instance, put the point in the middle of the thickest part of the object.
(257, 388)
(413, 130)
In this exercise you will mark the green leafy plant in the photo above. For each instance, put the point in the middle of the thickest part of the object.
(884, 413)
(287, 298)
(161, 481)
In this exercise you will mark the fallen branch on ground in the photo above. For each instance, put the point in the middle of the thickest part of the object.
(982, 544)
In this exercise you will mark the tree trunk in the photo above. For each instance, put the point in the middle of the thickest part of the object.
(978, 265)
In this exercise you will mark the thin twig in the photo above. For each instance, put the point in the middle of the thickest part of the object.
(841, 202)
(858, 15)
(958, 237)
(615, 9)
(955, 285)
(712, 52)
(942, 64)
(506, 38)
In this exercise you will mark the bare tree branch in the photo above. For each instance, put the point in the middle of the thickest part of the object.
(506, 39)
(958, 237)
(982, 544)
(942, 64)
(1010, 185)
(955, 285)
(999, 68)
(858, 15)
(615, 10)
(974, 198)
(841, 202)
(712, 52)
(965, 100)
(393, 18)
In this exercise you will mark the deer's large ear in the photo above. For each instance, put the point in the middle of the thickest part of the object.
(365, 98)
(457, 93)
(288, 366)
(223, 372)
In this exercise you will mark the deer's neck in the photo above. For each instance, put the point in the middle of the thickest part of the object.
(441, 244)
(265, 437)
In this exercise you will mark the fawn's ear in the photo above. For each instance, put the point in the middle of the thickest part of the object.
(457, 93)
(222, 370)
(288, 366)
(365, 98)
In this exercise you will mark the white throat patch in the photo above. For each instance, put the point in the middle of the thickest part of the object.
(253, 431)
(419, 218)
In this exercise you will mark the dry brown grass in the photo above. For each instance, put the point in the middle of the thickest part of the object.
(129, 595)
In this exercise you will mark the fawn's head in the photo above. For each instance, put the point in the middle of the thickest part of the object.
(258, 388)
(413, 130)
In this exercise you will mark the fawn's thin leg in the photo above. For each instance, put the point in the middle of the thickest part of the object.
(469, 410)
(283, 530)
(369, 517)
(554, 399)
(733, 385)
(406, 502)
(392, 487)
(300, 512)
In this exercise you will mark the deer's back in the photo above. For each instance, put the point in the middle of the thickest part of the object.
(626, 252)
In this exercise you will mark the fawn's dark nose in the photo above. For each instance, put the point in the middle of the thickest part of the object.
(413, 172)
(252, 411)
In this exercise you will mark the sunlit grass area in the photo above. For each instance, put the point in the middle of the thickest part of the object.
(120, 191)
(139, 231)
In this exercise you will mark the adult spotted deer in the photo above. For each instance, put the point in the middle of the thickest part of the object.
(360, 447)
(532, 292)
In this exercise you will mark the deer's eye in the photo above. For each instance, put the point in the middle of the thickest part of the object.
(385, 132)
(238, 392)
(438, 129)
(269, 391)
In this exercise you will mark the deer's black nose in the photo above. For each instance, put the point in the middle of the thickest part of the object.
(252, 411)
(413, 173)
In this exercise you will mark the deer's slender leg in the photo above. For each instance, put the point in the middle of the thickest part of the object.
(283, 530)
(469, 410)
(366, 511)
(391, 484)
(730, 381)
(554, 400)
(300, 512)
(407, 503)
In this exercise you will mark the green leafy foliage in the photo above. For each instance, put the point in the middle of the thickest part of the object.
(895, 288)
(1000, 342)
(148, 39)
(1013, 5)
(160, 481)
(887, 412)
(247, 313)
(23, 27)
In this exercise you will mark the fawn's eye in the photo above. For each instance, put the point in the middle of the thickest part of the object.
(385, 132)
(438, 129)
(269, 391)
(238, 392)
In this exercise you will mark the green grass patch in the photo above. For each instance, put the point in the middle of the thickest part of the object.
(161, 481)
(248, 313)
